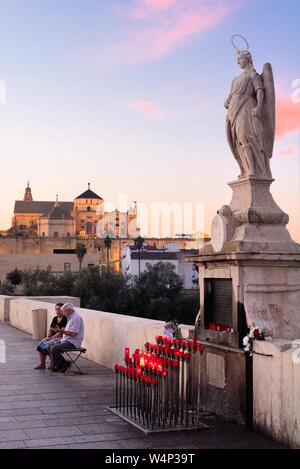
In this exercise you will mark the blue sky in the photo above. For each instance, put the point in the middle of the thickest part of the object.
(129, 95)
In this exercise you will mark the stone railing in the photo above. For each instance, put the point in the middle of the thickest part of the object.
(105, 336)
(276, 390)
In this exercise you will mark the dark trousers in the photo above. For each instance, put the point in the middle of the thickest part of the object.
(55, 351)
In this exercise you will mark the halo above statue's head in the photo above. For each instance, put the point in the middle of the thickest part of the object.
(242, 37)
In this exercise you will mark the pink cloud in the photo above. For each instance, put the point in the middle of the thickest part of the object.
(146, 107)
(160, 3)
(158, 27)
(287, 151)
(287, 117)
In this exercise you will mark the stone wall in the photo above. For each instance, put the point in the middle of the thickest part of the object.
(5, 302)
(276, 390)
(9, 262)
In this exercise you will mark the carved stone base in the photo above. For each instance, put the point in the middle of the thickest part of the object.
(252, 222)
(252, 202)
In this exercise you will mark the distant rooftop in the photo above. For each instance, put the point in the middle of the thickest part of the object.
(57, 212)
(89, 194)
(153, 255)
(41, 207)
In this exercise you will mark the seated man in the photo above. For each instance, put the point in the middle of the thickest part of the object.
(71, 339)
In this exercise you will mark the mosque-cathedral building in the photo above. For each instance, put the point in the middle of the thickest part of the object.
(77, 219)
(45, 233)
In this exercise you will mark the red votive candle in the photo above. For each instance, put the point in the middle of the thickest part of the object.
(127, 352)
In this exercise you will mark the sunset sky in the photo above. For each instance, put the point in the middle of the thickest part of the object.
(129, 95)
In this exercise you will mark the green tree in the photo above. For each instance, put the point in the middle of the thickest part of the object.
(154, 294)
(65, 284)
(80, 252)
(40, 282)
(100, 292)
(138, 244)
(15, 277)
(86, 285)
(6, 288)
(160, 280)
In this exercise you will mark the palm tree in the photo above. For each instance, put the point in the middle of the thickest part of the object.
(80, 252)
(138, 244)
(107, 244)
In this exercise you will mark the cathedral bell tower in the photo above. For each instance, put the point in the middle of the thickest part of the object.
(28, 195)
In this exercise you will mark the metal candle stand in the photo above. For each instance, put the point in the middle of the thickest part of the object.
(158, 389)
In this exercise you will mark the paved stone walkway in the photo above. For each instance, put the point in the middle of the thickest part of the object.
(42, 409)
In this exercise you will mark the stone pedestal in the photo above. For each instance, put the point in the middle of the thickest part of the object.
(250, 275)
(252, 220)
(265, 293)
(251, 245)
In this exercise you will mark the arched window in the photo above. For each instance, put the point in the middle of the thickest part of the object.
(89, 209)
(89, 228)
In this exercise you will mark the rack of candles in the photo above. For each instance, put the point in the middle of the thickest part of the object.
(220, 328)
(158, 388)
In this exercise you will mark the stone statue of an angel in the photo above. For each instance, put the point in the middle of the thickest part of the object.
(250, 122)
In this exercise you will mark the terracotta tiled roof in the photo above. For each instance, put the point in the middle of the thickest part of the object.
(44, 208)
(57, 212)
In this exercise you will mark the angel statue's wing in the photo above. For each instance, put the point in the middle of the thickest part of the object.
(268, 113)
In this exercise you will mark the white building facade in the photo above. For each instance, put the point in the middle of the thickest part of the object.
(170, 253)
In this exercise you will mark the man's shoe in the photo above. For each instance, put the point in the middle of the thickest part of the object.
(65, 367)
(40, 367)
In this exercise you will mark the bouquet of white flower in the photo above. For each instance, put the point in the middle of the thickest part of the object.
(254, 334)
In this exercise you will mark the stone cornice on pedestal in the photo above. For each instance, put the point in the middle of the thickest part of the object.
(208, 255)
(252, 222)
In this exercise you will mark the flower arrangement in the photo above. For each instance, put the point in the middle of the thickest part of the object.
(172, 329)
(254, 334)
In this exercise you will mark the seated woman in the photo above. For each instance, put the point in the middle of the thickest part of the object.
(54, 334)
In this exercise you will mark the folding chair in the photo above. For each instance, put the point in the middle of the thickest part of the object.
(79, 351)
